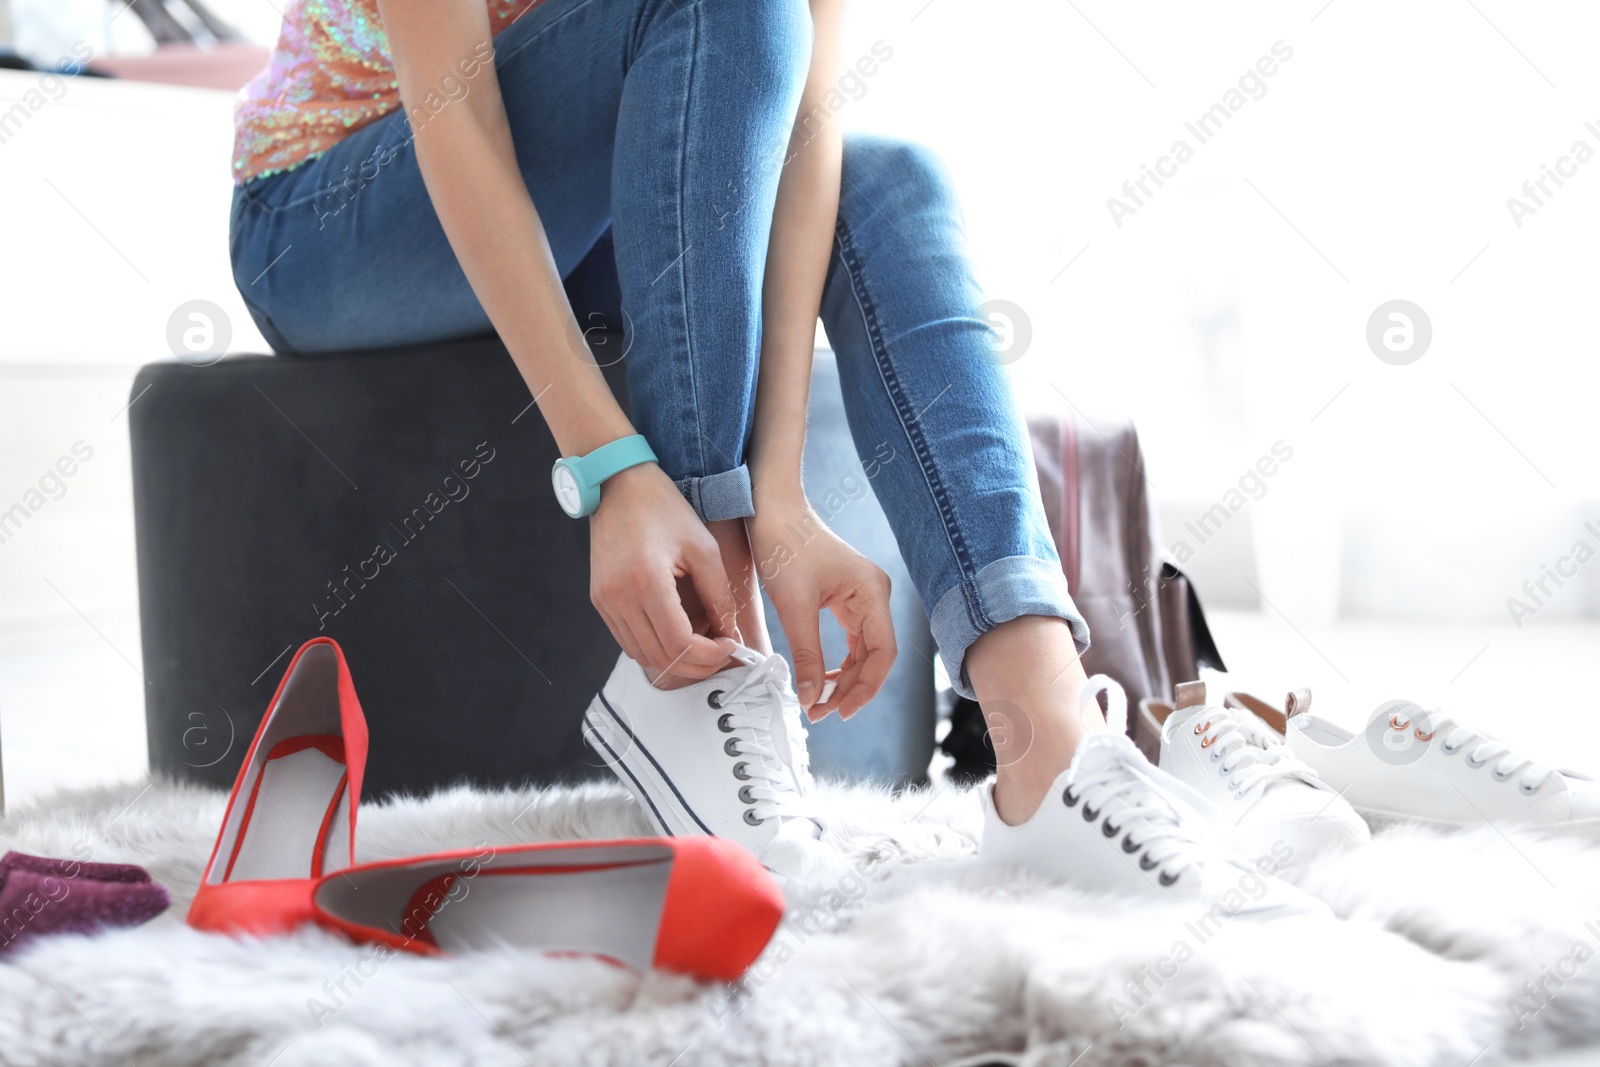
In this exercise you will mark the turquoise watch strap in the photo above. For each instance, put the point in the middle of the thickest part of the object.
(615, 457)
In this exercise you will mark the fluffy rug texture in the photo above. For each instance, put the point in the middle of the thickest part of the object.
(1455, 950)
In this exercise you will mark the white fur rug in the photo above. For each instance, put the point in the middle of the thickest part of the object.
(1451, 950)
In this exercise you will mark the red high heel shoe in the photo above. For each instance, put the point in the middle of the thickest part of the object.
(292, 815)
(701, 906)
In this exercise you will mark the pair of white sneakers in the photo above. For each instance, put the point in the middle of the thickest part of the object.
(1226, 820)
(727, 756)
(1417, 764)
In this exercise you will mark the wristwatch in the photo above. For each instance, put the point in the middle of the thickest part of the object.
(577, 478)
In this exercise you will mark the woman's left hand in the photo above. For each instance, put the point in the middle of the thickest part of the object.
(805, 567)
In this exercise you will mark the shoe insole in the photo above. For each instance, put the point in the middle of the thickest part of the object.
(297, 819)
(594, 907)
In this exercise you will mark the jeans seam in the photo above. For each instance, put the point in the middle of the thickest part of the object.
(908, 426)
(683, 288)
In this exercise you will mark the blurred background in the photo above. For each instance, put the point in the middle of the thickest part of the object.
(1429, 535)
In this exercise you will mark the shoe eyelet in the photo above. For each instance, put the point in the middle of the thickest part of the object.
(1147, 864)
(750, 817)
(1396, 724)
(740, 772)
(1207, 742)
(731, 746)
(723, 724)
(1448, 750)
(1501, 777)
(1424, 737)
(1167, 879)
(1089, 814)
(1529, 792)
(1475, 764)
(1129, 845)
(715, 698)
(1216, 756)
(1202, 728)
(1109, 830)
(1067, 798)
(744, 795)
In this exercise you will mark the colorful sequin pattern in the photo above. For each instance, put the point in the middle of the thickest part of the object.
(330, 75)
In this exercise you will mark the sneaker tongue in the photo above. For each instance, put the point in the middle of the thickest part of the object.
(746, 655)
(1099, 750)
(771, 674)
(782, 745)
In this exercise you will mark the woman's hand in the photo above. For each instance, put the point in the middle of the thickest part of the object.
(805, 567)
(642, 539)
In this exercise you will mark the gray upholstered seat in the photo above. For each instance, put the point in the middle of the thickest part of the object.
(400, 503)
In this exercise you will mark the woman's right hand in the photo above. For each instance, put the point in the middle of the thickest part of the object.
(642, 539)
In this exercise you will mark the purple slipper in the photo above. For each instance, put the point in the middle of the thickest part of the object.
(33, 903)
(100, 872)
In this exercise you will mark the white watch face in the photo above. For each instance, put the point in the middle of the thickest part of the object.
(567, 492)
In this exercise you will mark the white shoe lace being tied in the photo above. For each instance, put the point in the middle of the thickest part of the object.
(1249, 761)
(1488, 750)
(761, 716)
(1114, 783)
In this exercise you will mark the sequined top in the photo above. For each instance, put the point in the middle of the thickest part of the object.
(330, 75)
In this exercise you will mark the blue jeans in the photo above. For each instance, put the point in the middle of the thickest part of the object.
(659, 127)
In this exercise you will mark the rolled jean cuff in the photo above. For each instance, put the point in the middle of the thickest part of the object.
(1003, 590)
(720, 496)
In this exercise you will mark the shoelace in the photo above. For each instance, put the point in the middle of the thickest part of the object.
(769, 741)
(1114, 785)
(1489, 750)
(1235, 746)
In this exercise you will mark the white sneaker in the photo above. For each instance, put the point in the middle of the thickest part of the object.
(1419, 764)
(725, 756)
(1114, 823)
(1271, 808)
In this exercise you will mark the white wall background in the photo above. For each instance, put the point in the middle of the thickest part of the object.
(1227, 314)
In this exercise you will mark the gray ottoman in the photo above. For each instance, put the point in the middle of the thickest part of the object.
(400, 503)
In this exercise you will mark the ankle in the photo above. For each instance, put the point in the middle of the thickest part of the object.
(1018, 794)
(1030, 760)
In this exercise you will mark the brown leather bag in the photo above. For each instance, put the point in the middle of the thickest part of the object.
(1146, 627)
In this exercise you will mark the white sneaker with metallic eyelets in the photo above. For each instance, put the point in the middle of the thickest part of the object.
(1113, 823)
(725, 756)
(1271, 807)
(1416, 764)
